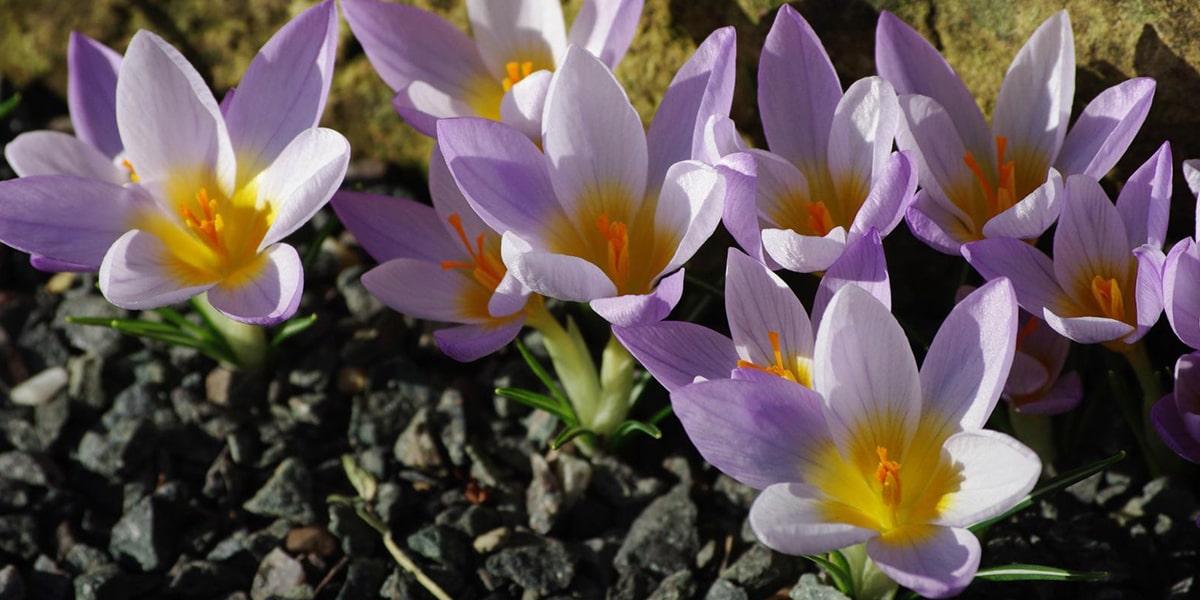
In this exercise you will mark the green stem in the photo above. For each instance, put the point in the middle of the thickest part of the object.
(572, 362)
(616, 387)
(1158, 456)
(247, 343)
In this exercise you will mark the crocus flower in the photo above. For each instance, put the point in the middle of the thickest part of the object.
(1176, 416)
(877, 452)
(1036, 385)
(215, 194)
(607, 212)
(440, 263)
(1104, 284)
(831, 172)
(1181, 274)
(771, 330)
(437, 71)
(1005, 181)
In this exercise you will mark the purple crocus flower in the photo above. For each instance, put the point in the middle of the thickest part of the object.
(1176, 416)
(831, 173)
(503, 74)
(440, 263)
(877, 452)
(215, 194)
(609, 211)
(1036, 385)
(771, 330)
(1005, 181)
(1181, 274)
(1104, 284)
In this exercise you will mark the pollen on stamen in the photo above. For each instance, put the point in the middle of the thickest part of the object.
(487, 269)
(516, 71)
(133, 176)
(1002, 195)
(819, 219)
(777, 369)
(208, 225)
(616, 233)
(1107, 294)
(888, 474)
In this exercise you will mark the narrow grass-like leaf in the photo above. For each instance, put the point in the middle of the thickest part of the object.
(568, 434)
(364, 483)
(543, 375)
(538, 401)
(839, 573)
(1020, 572)
(1054, 485)
(292, 328)
(660, 415)
(631, 426)
(171, 315)
(8, 105)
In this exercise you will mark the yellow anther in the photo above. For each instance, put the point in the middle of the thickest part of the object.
(888, 474)
(486, 268)
(616, 233)
(778, 369)
(133, 176)
(516, 71)
(1108, 296)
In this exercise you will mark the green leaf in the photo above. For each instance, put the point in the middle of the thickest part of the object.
(364, 483)
(631, 426)
(1020, 572)
(1062, 481)
(839, 573)
(171, 315)
(8, 105)
(543, 375)
(538, 401)
(660, 415)
(162, 332)
(292, 328)
(568, 434)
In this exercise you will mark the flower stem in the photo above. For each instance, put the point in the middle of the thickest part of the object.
(1158, 457)
(572, 362)
(616, 386)
(248, 343)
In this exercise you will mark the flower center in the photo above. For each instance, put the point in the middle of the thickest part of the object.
(778, 369)
(484, 266)
(1000, 196)
(616, 233)
(819, 220)
(516, 71)
(1108, 296)
(888, 474)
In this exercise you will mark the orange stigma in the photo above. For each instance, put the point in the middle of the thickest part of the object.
(1108, 296)
(617, 235)
(515, 72)
(487, 269)
(208, 225)
(133, 176)
(776, 369)
(818, 218)
(1003, 194)
(888, 474)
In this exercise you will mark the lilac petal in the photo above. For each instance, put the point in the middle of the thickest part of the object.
(913, 66)
(422, 105)
(1145, 200)
(939, 152)
(501, 173)
(559, 276)
(940, 229)
(169, 120)
(390, 228)
(1034, 104)
(467, 343)
(994, 471)
(283, 91)
(892, 191)
(757, 432)
(1027, 375)
(425, 290)
(740, 215)
(1148, 289)
(448, 200)
(522, 106)
(1169, 425)
(862, 264)
(51, 265)
(227, 100)
(1187, 387)
(721, 138)
(302, 179)
(969, 359)
(702, 87)
(509, 296)
(605, 28)
(273, 294)
(56, 153)
(863, 130)
(92, 93)
(798, 90)
(786, 517)
(758, 303)
(633, 310)
(1191, 174)
(1065, 395)
(518, 31)
(1088, 330)
(935, 562)
(777, 184)
(676, 352)
(407, 44)
(1031, 272)
(1090, 240)
(1181, 291)
(691, 201)
(136, 274)
(592, 136)
(865, 370)
(66, 218)
(1105, 128)
(1032, 215)
(803, 253)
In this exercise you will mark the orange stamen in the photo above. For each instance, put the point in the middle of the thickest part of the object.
(1108, 295)
(1003, 194)
(888, 474)
(617, 235)
(516, 71)
(133, 176)
(776, 369)
(209, 224)
(819, 220)
(486, 268)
